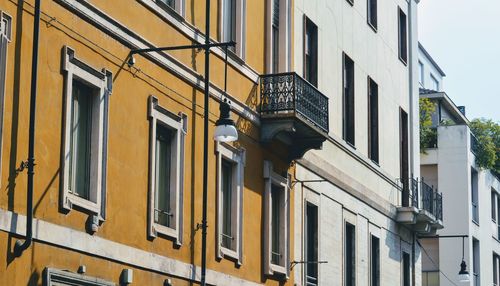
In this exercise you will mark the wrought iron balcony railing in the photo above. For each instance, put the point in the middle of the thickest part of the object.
(410, 193)
(438, 200)
(432, 201)
(289, 94)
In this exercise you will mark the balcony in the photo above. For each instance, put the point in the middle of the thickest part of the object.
(422, 207)
(294, 112)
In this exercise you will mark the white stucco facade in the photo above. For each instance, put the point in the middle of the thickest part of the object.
(341, 180)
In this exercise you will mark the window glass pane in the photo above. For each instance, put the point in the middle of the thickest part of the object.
(276, 224)
(311, 244)
(406, 269)
(80, 139)
(163, 211)
(170, 3)
(372, 12)
(403, 36)
(229, 29)
(348, 128)
(350, 255)
(375, 261)
(227, 194)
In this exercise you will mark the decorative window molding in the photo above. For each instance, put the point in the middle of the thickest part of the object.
(176, 126)
(234, 30)
(99, 82)
(5, 37)
(278, 36)
(56, 277)
(236, 158)
(276, 187)
(178, 6)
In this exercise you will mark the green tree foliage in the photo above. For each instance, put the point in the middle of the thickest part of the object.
(427, 133)
(487, 133)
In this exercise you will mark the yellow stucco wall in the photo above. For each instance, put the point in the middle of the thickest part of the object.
(127, 179)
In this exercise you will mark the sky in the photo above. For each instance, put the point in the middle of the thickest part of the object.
(463, 37)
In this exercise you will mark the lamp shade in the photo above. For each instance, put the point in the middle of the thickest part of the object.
(463, 275)
(225, 131)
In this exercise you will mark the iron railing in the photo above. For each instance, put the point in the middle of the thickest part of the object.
(409, 190)
(474, 145)
(288, 93)
(432, 201)
(311, 281)
(427, 197)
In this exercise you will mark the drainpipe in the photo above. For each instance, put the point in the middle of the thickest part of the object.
(20, 246)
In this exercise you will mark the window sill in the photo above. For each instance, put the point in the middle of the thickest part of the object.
(372, 26)
(74, 200)
(351, 2)
(278, 269)
(165, 230)
(475, 222)
(403, 61)
(228, 253)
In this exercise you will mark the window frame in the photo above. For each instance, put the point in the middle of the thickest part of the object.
(352, 224)
(435, 82)
(284, 37)
(377, 275)
(351, 2)
(405, 269)
(178, 125)
(237, 157)
(348, 98)
(271, 178)
(52, 277)
(373, 125)
(101, 82)
(309, 76)
(421, 73)
(402, 43)
(240, 23)
(179, 7)
(369, 15)
(5, 39)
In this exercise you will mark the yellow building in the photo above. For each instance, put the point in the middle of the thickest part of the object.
(119, 149)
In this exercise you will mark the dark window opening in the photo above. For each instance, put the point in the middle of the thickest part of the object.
(348, 101)
(311, 244)
(310, 52)
(373, 138)
(350, 255)
(276, 36)
(403, 38)
(406, 269)
(375, 261)
(372, 13)
(403, 149)
(163, 210)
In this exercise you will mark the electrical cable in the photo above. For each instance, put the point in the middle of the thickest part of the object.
(435, 264)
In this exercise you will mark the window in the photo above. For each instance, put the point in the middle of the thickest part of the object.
(494, 205)
(173, 5)
(406, 269)
(373, 148)
(372, 14)
(276, 215)
(348, 101)
(351, 2)
(278, 36)
(350, 255)
(230, 166)
(310, 52)
(421, 73)
(84, 153)
(495, 212)
(375, 261)
(475, 262)
(5, 36)
(233, 21)
(311, 241)
(430, 278)
(474, 196)
(56, 277)
(496, 269)
(435, 83)
(166, 171)
(403, 156)
(403, 39)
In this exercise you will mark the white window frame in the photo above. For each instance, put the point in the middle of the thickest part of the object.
(435, 82)
(101, 81)
(241, 20)
(54, 277)
(421, 73)
(271, 178)
(284, 37)
(5, 38)
(236, 156)
(178, 125)
(180, 6)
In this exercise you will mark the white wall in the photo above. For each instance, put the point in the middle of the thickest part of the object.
(344, 28)
(430, 70)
